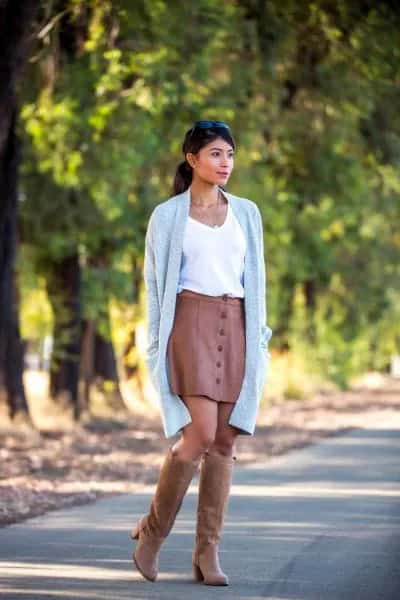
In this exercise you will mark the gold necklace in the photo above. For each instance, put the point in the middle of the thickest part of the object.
(209, 206)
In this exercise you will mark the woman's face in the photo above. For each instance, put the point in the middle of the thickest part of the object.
(214, 162)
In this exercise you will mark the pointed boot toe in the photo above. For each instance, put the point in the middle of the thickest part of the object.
(146, 556)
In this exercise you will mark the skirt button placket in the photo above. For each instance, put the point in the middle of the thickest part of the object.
(221, 332)
(218, 387)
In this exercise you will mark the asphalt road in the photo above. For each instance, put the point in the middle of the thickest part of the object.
(320, 523)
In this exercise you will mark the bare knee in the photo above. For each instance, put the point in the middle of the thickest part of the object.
(202, 441)
(224, 442)
(193, 444)
(198, 436)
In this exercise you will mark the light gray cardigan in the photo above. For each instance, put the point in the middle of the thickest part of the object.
(162, 261)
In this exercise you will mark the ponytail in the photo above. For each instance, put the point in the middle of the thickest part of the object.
(183, 178)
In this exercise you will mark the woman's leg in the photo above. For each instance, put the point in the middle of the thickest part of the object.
(179, 466)
(214, 488)
(199, 435)
(225, 435)
(152, 529)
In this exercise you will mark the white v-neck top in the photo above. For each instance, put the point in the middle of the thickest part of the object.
(213, 257)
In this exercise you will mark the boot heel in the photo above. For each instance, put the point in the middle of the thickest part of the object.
(135, 532)
(198, 575)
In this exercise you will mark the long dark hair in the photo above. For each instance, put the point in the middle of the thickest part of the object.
(195, 139)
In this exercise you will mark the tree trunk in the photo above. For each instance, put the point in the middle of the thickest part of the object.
(16, 17)
(99, 372)
(87, 361)
(129, 364)
(106, 374)
(63, 288)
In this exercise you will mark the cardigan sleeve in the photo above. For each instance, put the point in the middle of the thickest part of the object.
(266, 332)
(152, 298)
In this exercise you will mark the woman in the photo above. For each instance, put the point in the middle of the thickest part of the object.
(207, 350)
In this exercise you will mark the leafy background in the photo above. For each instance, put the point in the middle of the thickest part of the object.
(311, 91)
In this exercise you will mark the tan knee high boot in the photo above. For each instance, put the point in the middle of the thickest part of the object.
(152, 529)
(214, 487)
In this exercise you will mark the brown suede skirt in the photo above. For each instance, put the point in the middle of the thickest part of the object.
(207, 346)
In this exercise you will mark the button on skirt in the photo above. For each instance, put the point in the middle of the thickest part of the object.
(207, 346)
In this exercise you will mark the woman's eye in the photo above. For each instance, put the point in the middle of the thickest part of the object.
(217, 153)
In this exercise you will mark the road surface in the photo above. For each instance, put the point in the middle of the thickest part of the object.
(320, 523)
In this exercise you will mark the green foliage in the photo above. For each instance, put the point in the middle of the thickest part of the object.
(310, 90)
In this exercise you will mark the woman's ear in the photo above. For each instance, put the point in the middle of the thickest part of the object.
(191, 159)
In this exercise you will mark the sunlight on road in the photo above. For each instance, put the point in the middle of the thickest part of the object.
(54, 570)
(70, 576)
(313, 489)
(309, 488)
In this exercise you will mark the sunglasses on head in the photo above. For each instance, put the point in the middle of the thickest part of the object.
(207, 125)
